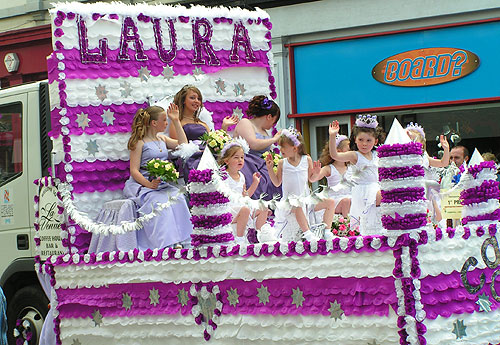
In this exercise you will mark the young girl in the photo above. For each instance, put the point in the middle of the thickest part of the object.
(416, 133)
(337, 176)
(172, 225)
(232, 157)
(366, 191)
(294, 172)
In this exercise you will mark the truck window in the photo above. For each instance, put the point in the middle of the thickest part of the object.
(11, 154)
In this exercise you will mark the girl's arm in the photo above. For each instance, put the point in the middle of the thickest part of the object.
(135, 164)
(349, 156)
(323, 172)
(246, 130)
(255, 183)
(276, 177)
(445, 160)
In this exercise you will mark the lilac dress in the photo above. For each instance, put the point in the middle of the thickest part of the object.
(193, 133)
(254, 162)
(170, 226)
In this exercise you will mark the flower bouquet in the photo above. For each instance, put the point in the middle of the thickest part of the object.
(276, 157)
(162, 169)
(341, 228)
(215, 140)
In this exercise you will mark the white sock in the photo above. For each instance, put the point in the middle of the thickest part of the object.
(310, 236)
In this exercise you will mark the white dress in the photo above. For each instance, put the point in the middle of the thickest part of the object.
(237, 187)
(364, 193)
(339, 185)
(432, 186)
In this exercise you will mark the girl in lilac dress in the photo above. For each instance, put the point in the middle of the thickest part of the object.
(263, 113)
(190, 102)
(172, 225)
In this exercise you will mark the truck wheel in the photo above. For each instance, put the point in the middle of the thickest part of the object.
(26, 312)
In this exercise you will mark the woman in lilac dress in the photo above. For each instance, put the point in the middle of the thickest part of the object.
(171, 225)
(190, 101)
(263, 113)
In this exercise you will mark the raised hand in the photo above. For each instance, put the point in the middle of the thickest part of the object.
(277, 136)
(256, 177)
(269, 162)
(333, 128)
(230, 120)
(444, 143)
(173, 112)
(316, 169)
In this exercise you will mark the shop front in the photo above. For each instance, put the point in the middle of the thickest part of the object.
(443, 77)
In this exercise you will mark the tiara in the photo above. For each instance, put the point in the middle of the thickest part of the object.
(368, 121)
(416, 127)
(340, 138)
(292, 134)
(235, 142)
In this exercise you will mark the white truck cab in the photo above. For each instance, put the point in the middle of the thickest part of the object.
(24, 156)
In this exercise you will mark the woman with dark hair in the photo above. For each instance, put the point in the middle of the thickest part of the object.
(263, 114)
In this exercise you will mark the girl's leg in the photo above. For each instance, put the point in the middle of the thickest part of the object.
(343, 207)
(241, 221)
(301, 218)
(437, 212)
(261, 216)
(329, 206)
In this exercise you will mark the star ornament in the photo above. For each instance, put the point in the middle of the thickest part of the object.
(233, 297)
(297, 297)
(126, 89)
(459, 329)
(168, 73)
(108, 117)
(82, 120)
(182, 297)
(97, 318)
(335, 310)
(92, 147)
(220, 86)
(263, 294)
(101, 92)
(239, 89)
(484, 302)
(373, 343)
(144, 74)
(197, 72)
(126, 301)
(154, 297)
(238, 112)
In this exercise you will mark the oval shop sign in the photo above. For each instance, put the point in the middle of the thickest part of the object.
(427, 66)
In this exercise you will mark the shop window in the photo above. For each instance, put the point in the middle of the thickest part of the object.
(11, 154)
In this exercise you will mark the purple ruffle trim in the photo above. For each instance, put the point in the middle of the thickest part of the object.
(400, 195)
(400, 172)
(399, 150)
(198, 240)
(495, 215)
(407, 222)
(474, 170)
(202, 176)
(486, 191)
(210, 222)
(206, 199)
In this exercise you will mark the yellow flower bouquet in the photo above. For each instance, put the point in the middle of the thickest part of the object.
(276, 158)
(162, 169)
(215, 140)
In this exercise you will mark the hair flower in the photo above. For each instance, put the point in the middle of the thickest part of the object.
(266, 104)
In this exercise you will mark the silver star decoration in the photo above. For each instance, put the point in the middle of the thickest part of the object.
(263, 294)
(233, 297)
(484, 302)
(297, 297)
(197, 72)
(335, 310)
(126, 301)
(82, 120)
(126, 89)
(238, 112)
(108, 117)
(101, 92)
(459, 329)
(144, 74)
(239, 89)
(183, 297)
(374, 342)
(76, 342)
(97, 318)
(220, 86)
(154, 297)
(168, 73)
(92, 147)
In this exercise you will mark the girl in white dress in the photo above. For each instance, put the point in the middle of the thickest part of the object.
(337, 176)
(416, 133)
(366, 191)
(232, 157)
(294, 172)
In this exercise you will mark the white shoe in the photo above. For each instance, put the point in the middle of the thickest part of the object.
(266, 234)
(328, 236)
(310, 236)
(241, 240)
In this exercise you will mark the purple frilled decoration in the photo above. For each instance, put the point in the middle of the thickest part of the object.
(402, 185)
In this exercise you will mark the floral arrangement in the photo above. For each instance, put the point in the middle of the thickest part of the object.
(162, 169)
(341, 228)
(216, 140)
(276, 157)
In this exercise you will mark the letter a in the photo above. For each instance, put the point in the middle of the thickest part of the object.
(241, 37)
(129, 33)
